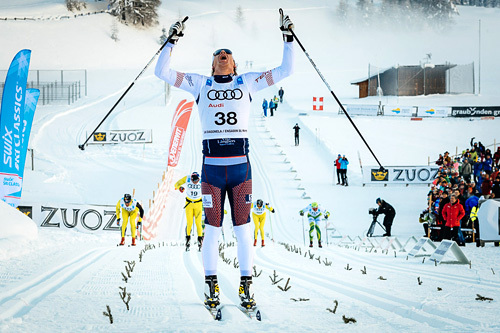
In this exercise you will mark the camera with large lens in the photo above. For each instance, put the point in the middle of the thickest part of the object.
(372, 211)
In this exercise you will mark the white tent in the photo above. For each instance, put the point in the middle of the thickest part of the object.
(489, 220)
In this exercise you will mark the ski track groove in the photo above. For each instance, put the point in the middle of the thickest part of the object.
(25, 297)
(391, 303)
(409, 271)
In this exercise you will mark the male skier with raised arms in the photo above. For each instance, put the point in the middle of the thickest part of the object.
(224, 106)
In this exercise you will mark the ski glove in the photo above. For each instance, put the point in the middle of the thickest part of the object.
(301, 213)
(286, 26)
(273, 210)
(118, 221)
(176, 31)
(181, 189)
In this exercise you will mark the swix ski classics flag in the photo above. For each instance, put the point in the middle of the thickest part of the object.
(11, 128)
(179, 125)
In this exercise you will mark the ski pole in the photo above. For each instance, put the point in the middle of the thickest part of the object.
(271, 224)
(82, 146)
(333, 94)
(303, 231)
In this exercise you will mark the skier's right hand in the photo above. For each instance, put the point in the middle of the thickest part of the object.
(181, 189)
(301, 213)
(286, 27)
(176, 31)
(118, 221)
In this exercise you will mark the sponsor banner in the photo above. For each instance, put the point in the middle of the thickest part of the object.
(475, 111)
(11, 128)
(399, 175)
(361, 109)
(86, 218)
(180, 122)
(399, 111)
(438, 111)
(122, 136)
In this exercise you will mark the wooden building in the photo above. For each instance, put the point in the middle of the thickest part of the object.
(406, 81)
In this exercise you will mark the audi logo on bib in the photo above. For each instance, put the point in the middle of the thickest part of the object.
(224, 94)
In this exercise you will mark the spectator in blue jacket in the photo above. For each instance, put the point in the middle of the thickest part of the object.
(264, 107)
(271, 106)
(488, 164)
(343, 170)
(478, 166)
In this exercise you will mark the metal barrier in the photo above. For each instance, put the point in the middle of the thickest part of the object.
(56, 86)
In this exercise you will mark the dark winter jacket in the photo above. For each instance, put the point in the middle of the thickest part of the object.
(466, 169)
(452, 214)
(387, 209)
(496, 156)
(486, 186)
(296, 128)
(495, 189)
(488, 164)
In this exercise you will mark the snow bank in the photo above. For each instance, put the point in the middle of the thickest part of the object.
(13, 223)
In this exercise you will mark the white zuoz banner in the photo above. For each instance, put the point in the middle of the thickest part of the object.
(122, 136)
(399, 174)
(86, 218)
(438, 111)
(361, 109)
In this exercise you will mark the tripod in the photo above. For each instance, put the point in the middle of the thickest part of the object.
(372, 226)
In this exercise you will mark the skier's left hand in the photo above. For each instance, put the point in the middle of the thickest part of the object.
(274, 210)
(118, 221)
(286, 27)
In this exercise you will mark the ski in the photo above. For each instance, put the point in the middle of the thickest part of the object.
(252, 313)
(215, 312)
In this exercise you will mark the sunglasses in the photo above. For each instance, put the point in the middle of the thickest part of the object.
(228, 51)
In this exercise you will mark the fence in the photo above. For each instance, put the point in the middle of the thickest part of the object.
(56, 86)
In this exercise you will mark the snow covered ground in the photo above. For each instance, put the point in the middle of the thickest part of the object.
(61, 280)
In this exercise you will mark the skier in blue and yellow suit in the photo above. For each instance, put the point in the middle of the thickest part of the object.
(259, 218)
(193, 205)
(128, 208)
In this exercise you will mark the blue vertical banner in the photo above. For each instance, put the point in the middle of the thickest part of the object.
(11, 128)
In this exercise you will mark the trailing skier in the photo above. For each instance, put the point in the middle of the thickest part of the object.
(224, 106)
(128, 208)
(314, 213)
(193, 206)
(259, 218)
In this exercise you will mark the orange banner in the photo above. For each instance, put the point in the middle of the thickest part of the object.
(179, 126)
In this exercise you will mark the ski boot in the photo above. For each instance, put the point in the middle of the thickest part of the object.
(133, 241)
(188, 238)
(211, 291)
(255, 242)
(247, 301)
(263, 243)
(200, 242)
(319, 244)
(123, 241)
(311, 244)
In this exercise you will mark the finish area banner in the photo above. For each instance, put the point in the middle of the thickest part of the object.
(399, 175)
(180, 123)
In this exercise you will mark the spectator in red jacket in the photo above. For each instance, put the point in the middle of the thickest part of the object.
(337, 166)
(453, 212)
(486, 186)
(496, 157)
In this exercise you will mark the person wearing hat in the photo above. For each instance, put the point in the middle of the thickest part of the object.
(297, 129)
(314, 213)
(337, 167)
(128, 208)
(224, 106)
(389, 212)
(193, 206)
(259, 218)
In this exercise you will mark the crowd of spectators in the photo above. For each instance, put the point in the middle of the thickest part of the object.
(455, 193)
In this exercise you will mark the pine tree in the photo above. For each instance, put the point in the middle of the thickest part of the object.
(163, 36)
(136, 12)
(239, 18)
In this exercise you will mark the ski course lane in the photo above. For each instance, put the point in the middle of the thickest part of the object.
(405, 308)
(18, 301)
(266, 175)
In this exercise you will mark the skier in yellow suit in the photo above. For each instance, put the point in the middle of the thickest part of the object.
(128, 208)
(193, 205)
(259, 218)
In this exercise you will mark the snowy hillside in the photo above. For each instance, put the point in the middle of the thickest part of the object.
(63, 279)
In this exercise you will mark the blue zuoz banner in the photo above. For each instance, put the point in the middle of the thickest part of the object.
(16, 117)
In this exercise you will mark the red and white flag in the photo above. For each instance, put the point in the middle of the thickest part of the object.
(317, 103)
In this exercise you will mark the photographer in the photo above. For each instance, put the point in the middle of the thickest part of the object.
(389, 212)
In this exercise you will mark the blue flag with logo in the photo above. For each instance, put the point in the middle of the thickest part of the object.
(11, 129)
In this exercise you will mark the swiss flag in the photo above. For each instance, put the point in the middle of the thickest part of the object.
(317, 103)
